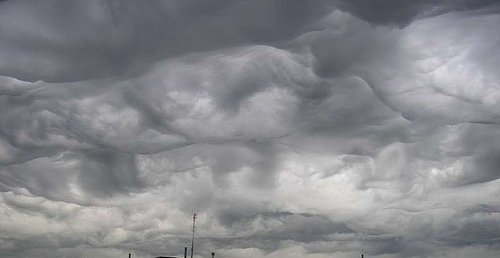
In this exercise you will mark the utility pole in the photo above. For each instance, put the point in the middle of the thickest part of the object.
(192, 239)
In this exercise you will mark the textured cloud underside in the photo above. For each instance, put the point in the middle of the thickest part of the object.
(294, 129)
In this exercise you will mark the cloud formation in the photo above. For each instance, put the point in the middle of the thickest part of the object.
(318, 129)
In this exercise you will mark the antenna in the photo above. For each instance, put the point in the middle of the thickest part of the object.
(192, 239)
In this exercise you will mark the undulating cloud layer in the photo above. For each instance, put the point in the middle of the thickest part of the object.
(293, 128)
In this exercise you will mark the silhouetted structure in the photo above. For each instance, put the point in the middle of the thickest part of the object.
(185, 248)
(213, 254)
(192, 239)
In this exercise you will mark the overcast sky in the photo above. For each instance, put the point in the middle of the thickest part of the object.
(295, 129)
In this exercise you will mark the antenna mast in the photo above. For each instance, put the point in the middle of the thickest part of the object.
(192, 239)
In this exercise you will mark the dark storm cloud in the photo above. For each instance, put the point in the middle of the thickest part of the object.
(401, 13)
(75, 40)
(294, 129)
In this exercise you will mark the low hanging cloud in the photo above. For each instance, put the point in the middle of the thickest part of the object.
(293, 129)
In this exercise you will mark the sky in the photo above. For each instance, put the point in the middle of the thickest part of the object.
(311, 129)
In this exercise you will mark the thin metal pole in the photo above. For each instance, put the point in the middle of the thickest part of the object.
(192, 239)
(185, 251)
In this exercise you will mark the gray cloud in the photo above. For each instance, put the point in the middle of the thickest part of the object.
(402, 13)
(319, 129)
(78, 40)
